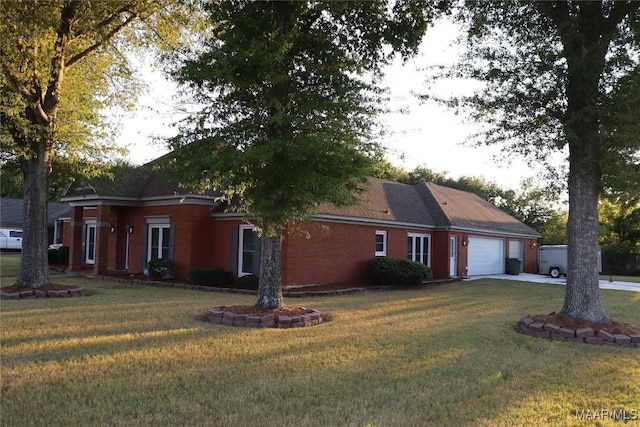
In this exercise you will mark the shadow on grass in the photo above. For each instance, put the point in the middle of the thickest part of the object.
(445, 356)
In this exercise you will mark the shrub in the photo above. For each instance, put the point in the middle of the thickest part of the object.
(208, 276)
(63, 255)
(160, 268)
(52, 256)
(394, 271)
(247, 282)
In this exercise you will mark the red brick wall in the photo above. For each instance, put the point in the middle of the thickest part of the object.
(337, 252)
(193, 235)
(194, 240)
(220, 254)
(318, 252)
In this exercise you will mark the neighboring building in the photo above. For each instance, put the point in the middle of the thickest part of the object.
(11, 214)
(119, 226)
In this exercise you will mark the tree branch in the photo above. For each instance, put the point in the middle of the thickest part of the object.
(14, 81)
(106, 39)
(556, 11)
(52, 95)
(618, 12)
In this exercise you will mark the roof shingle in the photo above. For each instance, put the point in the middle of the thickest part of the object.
(428, 205)
(423, 205)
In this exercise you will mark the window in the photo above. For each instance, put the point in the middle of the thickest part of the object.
(381, 243)
(248, 250)
(17, 234)
(159, 241)
(418, 248)
(90, 242)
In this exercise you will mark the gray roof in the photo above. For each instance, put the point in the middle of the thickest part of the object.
(464, 210)
(422, 205)
(131, 183)
(387, 201)
(429, 205)
(11, 212)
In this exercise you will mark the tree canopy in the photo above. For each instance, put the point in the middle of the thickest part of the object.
(561, 75)
(62, 63)
(289, 94)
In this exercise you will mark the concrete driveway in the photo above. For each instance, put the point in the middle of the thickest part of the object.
(539, 278)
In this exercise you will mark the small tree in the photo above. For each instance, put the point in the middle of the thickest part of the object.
(288, 121)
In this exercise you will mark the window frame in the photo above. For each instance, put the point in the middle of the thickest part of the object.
(383, 252)
(90, 241)
(419, 255)
(161, 244)
(241, 251)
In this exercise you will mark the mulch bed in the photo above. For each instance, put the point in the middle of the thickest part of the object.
(615, 327)
(558, 327)
(251, 310)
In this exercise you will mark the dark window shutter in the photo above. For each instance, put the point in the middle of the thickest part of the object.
(83, 245)
(143, 256)
(256, 258)
(172, 242)
(234, 250)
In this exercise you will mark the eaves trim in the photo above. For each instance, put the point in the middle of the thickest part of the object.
(335, 218)
(95, 200)
(372, 221)
(494, 232)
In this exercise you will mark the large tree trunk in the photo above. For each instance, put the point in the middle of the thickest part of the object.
(582, 294)
(586, 32)
(34, 266)
(270, 282)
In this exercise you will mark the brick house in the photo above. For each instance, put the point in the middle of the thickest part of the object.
(118, 226)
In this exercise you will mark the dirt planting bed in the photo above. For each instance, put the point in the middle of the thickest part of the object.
(254, 317)
(561, 328)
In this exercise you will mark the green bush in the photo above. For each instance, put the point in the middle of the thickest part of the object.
(394, 271)
(63, 255)
(247, 282)
(160, 268)
(208, 276)
(52, 256)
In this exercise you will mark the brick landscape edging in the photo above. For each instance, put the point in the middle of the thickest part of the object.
(528, 326)
(290, 292)
(220, 316)
(287, 293)
(35, 293)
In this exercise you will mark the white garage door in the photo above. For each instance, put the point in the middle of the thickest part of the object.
(486, 256)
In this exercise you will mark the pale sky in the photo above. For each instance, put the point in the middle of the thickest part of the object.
(425, 134)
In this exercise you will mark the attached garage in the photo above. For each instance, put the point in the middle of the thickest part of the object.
(485, 256)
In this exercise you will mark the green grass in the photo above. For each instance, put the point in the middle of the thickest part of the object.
(446, 355)
(9, 266)
(635, 279)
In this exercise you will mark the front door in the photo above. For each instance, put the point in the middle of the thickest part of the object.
(453, 257)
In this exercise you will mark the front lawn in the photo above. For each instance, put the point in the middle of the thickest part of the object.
(446, 355)
(635, 279)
